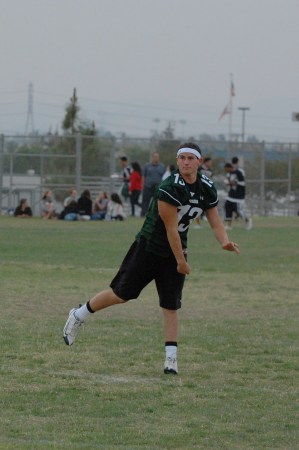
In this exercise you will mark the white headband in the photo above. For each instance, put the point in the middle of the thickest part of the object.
(188, 150)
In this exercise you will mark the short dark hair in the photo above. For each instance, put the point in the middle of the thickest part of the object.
(228, 165)
(207, 159)
(235, 160)
(123, 158)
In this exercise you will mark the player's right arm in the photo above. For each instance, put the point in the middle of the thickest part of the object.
(169, 215)
(219, 231)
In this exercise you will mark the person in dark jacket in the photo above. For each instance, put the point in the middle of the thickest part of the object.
(85, 206)
(23, 210)
(70, 212)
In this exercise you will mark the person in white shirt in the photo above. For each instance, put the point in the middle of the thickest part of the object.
(115, 210)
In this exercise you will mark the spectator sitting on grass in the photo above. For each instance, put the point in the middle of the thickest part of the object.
(73, 196)
(100, 206)
(48, 207)
(70, 212)
(23, 210)
(85, 206)
(115, 208)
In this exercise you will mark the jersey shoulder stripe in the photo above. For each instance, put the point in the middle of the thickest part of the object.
(215, 202)
(206, 181)
(173, 198)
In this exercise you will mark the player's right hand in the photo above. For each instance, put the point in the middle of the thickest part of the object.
(231, 247)
(183, 268)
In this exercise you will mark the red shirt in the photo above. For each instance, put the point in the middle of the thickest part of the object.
(135, 181)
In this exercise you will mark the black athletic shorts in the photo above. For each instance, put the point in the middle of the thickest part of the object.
(140, 267)
(230, 208)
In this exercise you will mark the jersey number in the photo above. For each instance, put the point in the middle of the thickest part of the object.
(186, 214)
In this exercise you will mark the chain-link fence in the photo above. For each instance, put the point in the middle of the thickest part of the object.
(30, 165)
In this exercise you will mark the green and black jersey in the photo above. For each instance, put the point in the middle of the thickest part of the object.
(191, 200)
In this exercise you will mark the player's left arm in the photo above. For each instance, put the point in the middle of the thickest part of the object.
(219, 231)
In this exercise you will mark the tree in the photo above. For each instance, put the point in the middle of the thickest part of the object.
(168, 145)
(71, 119)
(72, 123)
(87, 128)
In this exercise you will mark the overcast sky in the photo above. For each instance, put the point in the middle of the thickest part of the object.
(133, 61)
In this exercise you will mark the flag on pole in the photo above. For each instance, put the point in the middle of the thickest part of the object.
(224, 112)
(229, 107)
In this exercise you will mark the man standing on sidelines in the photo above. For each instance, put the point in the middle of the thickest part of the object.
(152, 176)
(160, 249)
(126, 172)
(235, 202)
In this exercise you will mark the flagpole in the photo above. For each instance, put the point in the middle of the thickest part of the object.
(229, 110)
(230, 120)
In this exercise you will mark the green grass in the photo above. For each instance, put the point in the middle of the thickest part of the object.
(238, 353)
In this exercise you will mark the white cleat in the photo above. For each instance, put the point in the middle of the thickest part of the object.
(171, 366)
(71, 328)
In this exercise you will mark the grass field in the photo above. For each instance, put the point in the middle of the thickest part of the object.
(238, 353)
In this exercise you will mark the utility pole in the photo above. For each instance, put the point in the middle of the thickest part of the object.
(183, 123)
(157, 121)
(295, 118)
(29, 128)
(243, 109)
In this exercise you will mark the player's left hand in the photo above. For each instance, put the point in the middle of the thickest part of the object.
(231, 247)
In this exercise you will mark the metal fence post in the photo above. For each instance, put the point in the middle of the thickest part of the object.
(42, 172)
(1, 169)
(289, 177)
(262, 180)
(11, 172)
(112, 167)
(78, 162)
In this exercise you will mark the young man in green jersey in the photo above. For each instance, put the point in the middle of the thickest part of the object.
(159, 250)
